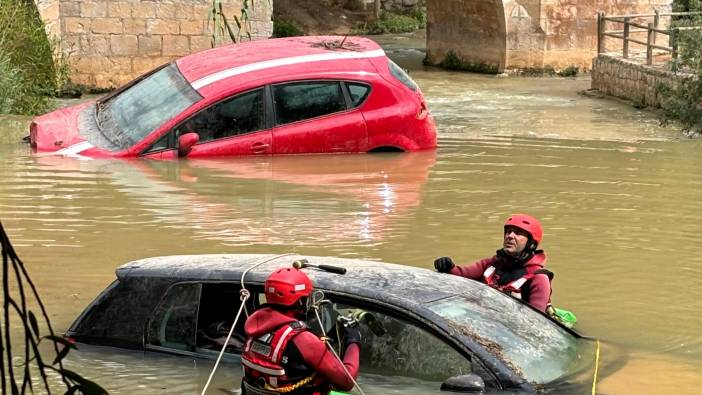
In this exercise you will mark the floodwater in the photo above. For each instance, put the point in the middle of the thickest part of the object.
(619, 197)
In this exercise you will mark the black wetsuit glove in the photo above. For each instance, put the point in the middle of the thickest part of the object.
(443, 264)
(351, 335)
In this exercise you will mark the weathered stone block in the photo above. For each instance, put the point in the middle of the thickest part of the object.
(134, 26)
(199, 43)
(150, 45)
(95, 44)
(185, 12)
(119, 10)
(192, 28)
(141, 65)
(175, 45)
(144, 10)
(106, 25)
(124, 45)
(93, 9)
(120, 64)
(76, 25)
(165, 10)
(165, 27)
(69, 8)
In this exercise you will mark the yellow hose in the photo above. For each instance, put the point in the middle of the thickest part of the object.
(597, 367)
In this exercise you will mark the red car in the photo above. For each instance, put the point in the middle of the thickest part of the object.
(280, 96)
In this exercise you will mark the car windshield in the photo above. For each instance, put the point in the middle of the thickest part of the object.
(132, 114)
(537, 348)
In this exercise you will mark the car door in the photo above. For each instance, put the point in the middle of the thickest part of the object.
(234, 126)
(316, 117)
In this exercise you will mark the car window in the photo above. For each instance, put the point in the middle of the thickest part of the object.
(358, 93)
(163, 143)
(398, 347)
(214, 322)
(305, 100)
(173, 323)
(128, 117)
(240, 114)
(401, 75)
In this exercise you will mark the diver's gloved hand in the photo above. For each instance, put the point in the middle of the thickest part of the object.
(351, 335)
(443, 264)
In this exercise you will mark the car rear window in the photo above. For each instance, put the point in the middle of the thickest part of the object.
(304, 100)
(402, 76)
(358, 93)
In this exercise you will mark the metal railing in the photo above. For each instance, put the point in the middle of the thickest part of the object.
(632, 26)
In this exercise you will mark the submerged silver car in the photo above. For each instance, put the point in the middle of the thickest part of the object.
(461, 334)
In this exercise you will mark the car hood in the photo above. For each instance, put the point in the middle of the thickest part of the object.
(57, 130)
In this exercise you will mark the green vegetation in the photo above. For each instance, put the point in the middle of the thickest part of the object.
(570, 71)
(29, 73)
(394, 23)
(454, 62)
(286, 29)
(682, 102)
(19, 293)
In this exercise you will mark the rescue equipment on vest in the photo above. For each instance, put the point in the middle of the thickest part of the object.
(263, 360)
(514, 287)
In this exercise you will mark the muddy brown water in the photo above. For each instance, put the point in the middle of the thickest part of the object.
(619, 197)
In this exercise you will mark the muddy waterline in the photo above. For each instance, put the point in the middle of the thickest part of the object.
(619, 197)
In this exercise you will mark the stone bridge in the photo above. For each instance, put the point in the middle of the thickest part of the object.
(508, 34)
(109, 42)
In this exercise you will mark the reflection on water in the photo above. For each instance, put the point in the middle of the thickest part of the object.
(618, 195)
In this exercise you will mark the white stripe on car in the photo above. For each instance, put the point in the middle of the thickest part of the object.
(268, 64)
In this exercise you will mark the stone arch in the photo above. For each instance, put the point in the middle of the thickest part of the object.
(474, 30)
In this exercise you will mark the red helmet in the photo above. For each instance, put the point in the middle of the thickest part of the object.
(286, 286)
(527, 223)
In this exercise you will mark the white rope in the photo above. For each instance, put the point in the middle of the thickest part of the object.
(319, 320)
(244, 296)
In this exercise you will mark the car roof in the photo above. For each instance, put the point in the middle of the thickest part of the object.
(274, 57)
(407, 286)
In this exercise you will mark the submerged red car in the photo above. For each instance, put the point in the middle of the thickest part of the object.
(295, 95)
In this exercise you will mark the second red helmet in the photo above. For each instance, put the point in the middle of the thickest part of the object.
(286, 286)
(527, 223)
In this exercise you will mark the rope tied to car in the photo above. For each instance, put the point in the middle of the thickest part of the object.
(244, 295)
(325, 339)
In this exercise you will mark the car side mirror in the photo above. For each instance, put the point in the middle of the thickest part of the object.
(466, 383)
(186, 142)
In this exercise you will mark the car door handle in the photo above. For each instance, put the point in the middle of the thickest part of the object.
(259, 147)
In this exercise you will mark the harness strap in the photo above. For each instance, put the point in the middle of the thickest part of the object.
(291, 387)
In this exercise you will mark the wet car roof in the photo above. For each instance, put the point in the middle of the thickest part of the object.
(410, 285)
(268, 53)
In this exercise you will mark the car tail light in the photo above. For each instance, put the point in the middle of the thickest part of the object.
(423, 111)
(33, 134)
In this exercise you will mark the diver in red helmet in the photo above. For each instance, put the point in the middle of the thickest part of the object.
(282, 355)
(517, 268)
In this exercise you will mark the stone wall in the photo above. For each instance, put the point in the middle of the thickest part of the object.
(630, 80)
(110, 42)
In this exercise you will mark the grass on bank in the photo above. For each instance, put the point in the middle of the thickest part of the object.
(29, 74)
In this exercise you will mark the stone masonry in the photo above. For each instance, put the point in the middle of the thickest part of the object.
(110, 42)
(522, 34)
(631, 80)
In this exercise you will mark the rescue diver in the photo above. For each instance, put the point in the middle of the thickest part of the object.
(281, 354)
(517, 268)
